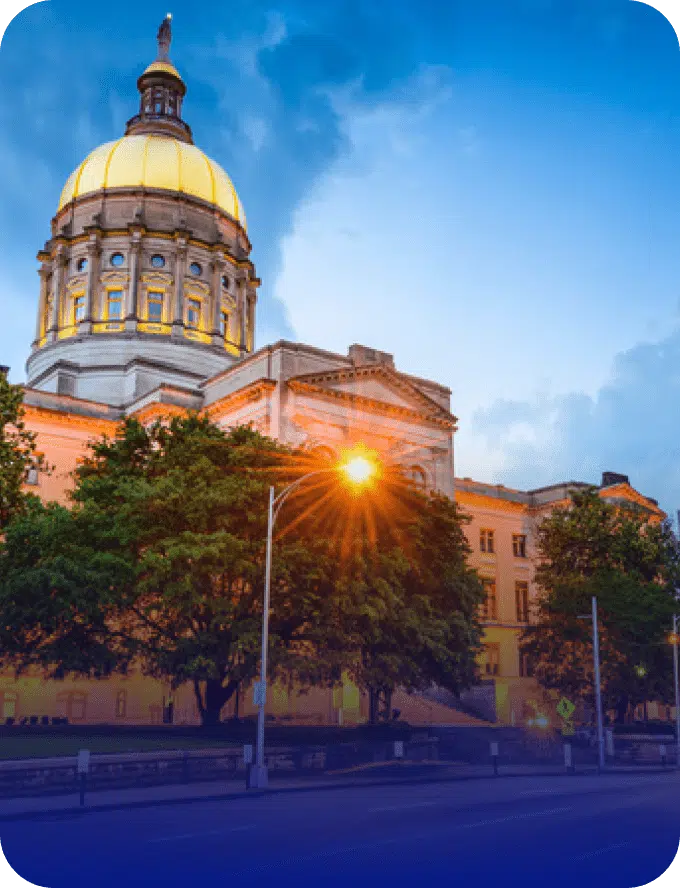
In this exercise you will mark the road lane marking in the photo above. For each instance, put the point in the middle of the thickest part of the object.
(599, 851)
(404, 807)
(199, 835)
(513, 817)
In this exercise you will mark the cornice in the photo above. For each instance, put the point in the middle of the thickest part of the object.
(392, 377)
(254, 391)
(439, 418)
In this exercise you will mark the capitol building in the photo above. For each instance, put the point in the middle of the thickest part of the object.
(147, 308)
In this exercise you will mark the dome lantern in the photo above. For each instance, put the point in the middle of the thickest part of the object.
(162, 91)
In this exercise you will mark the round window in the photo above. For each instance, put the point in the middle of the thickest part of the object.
(157, 261)
(81, 264)
(225, 282)
(195, 268)
(117, 259)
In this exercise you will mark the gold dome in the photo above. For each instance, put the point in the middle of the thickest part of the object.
(162, 67)
(154, 161)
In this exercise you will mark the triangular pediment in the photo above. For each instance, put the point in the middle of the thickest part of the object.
(379, 386)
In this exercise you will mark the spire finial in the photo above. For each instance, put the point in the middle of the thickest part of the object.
(164, 38)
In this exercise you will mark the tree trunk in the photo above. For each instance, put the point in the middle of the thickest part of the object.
(212, 698)
(373, 706)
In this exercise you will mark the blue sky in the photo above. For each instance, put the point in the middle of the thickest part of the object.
(488, 190)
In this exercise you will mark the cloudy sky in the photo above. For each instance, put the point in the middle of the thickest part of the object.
(488, 189)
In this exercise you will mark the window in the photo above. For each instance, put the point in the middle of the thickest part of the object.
(117, 259)
(194, 313)
(121, 704)
(9, 704)
(225, 282)
(492, 659)
(519, 545)
(224, 324)
(522, 601)
(114, 305)
(158, 261)
(195, 269)
(490, 606)
(78, 308)
(81, 265)
(155, 307)
(486, 543)
(32, 476)
(417, 475)
(526, 666)
(72, 705)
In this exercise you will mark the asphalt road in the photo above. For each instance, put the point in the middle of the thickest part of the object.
(610, 832)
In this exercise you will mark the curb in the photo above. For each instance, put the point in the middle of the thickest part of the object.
(77, 811)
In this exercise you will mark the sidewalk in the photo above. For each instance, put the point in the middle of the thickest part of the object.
(385, 774)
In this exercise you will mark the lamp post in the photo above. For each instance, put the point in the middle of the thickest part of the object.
(597, 682)
(358, 470)
(598, 689)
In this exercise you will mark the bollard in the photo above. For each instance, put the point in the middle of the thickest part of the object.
(662, 751)
(82, 768)
(568, 759)
(494, 758)
(398, 749)
(248, 761)
(185, 766)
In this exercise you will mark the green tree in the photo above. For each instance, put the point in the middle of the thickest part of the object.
(631, 565)
(17, 451)
(404, 609)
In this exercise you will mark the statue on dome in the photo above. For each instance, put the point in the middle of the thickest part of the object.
(164, 38)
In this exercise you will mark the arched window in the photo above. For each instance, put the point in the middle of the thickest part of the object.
(417, 476)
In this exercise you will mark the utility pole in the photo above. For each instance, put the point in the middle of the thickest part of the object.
(598, 690)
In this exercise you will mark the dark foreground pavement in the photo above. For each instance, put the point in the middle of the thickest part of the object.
(612, 832)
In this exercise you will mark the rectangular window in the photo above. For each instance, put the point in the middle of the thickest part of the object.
(490, 607)
(194, 313)
(78, 308)
(492, 659)
(519, 545)
(224, 324)
(114, 305)
(155, 307)
(526, 669)
(522, 601)
(486, 541)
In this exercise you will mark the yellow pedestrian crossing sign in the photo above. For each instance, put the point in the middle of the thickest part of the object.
(565, 708)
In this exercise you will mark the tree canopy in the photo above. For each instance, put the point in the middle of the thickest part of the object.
(160, 562)
(631, 565)
(17, 451)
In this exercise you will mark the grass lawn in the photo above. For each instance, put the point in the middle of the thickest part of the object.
(45, 746)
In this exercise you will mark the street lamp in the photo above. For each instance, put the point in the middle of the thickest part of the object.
(357, 469)
(598, 689)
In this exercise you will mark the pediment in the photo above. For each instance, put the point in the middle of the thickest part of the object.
(374, 386)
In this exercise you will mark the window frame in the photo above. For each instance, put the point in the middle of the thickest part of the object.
(78, 302)
(522, 601)
(492, 669)
(519, 545)
(487, 542)
(110, 300)
(194, 300)
(155, 297)
(490, 604)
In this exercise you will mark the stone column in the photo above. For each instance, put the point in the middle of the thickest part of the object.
(44, 273)
(180, 271)
(57, 286)
(131, 300)
(243, 315)
(250, 312)
(218, 265)
(93, 252)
